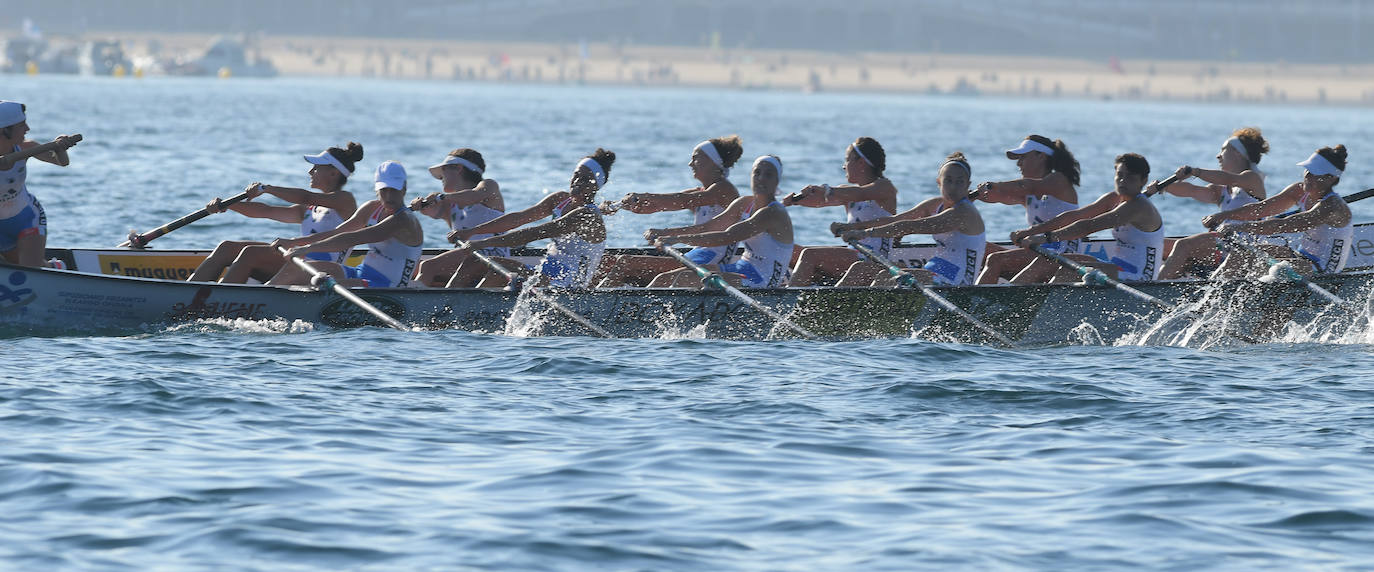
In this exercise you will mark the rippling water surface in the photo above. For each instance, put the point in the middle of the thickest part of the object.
(277, 446)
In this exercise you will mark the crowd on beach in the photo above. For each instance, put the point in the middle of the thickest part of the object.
(747, 238)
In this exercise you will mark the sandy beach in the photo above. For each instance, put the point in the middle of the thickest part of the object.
(611, 64)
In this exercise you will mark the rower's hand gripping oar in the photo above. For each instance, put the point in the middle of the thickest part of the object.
(545, 298)
(717, 281)
(8, 161)
(1285, 269)
(1095, 276)
(319, 278)
(905, 279)
(137, 240)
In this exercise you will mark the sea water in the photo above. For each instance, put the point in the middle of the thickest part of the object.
(268, 445)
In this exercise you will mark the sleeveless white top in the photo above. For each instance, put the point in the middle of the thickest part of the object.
(1328, 247)
(391, 257)
(1136, 252)
(768, 255)
(577, 256)
(473, 215)
(701, 215)
(863, 211)
(1234, 198)
(958, 257)
(14, 193)
(1041, 209)
(319, 219)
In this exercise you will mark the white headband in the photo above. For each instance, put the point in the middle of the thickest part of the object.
(860, 154)
(1235, 143)
(329, 159)
(1029, 145)
(777, 165)
(595, 168)
(963, 164)
(709, 149)
(1318, 165)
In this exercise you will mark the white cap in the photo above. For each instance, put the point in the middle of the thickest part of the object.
(327, 158)
(390, 175)
(1318, 165)
(11, 113)
(438, 170)
(1029, 145)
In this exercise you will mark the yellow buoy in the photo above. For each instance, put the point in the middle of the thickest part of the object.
(224, 72)
(118, 70)
(138, 71)
(31, 68)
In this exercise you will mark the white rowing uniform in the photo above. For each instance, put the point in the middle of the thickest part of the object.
(570, 260)
(765, 262)
(318, 219)
(389, 263)
(1234, 198)
(707, 255)
(864, 211)
(958, 257)
(1043, 208)
(1328, 247)
(1137, 253)
(463, 218)
(21, 215)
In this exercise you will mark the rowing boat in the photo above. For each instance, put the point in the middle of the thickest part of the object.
(119, 291)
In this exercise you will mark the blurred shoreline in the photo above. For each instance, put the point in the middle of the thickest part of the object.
(785, 70)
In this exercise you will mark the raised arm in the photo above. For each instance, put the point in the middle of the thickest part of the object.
(1101, 206)
(1015, 192)
(342, 201)
(355, 222)
(741, 230)
(1332, 211)
(944, 221)
(336, 241)
(513, 220)
(1265, 208)
(566, 224)
(721, 221)
(480, 193)
(924, 209)
(1121, 215)
(645, 203)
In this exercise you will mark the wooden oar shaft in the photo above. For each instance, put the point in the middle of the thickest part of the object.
(905, 278)
(545, 298)
(1097, 275)
(141, 240)
(716, 281)
(1288, 271)
(343, 291)
(7, 161)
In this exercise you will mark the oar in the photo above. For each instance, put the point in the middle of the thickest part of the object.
(7, 161)
(906, 279)
(1094, 275)
(327, 280)
(141, 240)
(1285, 269)
(716, 281)
(1350, 198)
(513, 279)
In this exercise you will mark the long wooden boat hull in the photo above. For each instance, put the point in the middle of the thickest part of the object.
(47, 301)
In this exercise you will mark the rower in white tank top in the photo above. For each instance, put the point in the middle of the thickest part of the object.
(1136, 252)
(1328, 247)
(390, 263)
(707, 255)
(958, 257)
(1043, 208)
(473, 215)
(864, 211)
(570, 259)
(764, 263)
(319, 219)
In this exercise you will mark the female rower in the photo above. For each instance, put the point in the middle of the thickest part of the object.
(1324, 220)
(869, 196)
(1047, 188)
(950, 218)
(577, 229)
(23, 224)
(1239, 182)
(391, 231)
(710, 163)
(1137, 230)
(316, 212)
(758, 220)
(466, 201)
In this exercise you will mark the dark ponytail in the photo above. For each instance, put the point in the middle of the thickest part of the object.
(1062, 160)
(349, 157)
(871, 149)
(729, 148)
(605, 158)
(1336, 155)
(1254, 143)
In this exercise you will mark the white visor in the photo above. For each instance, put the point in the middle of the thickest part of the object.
(438, 170)
(11, 113)
(1029, 145)
(771, 160)
(1318, 165)
(325, 158)
(595, 168)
